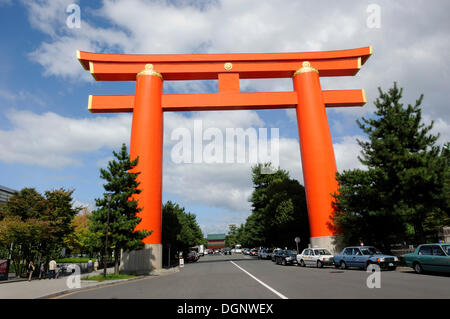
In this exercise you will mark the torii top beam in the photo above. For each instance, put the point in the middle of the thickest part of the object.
(124, 67)
(228, 69)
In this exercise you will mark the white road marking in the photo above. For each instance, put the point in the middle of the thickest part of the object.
(262, 283)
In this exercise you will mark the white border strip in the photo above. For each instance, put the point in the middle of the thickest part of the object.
(262, 283)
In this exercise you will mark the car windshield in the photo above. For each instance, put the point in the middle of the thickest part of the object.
(321, 252)
(291, 252)
(446, 248)
(370, 251)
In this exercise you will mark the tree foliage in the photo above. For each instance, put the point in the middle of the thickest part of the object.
(33, 226)
(279, 212)
(123, 210)
(403, 193)
(179, 229)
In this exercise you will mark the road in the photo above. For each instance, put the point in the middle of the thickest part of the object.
(244, 277)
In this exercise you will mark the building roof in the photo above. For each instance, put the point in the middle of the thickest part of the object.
(215, 237)
(6, 189)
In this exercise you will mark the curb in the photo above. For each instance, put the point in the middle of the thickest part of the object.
(99, 284)
(112, 282)
(13, 281)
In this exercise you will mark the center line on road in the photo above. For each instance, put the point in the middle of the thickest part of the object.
(262, 283)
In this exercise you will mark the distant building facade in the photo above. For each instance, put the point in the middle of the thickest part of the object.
(216, 241)
(5, 194)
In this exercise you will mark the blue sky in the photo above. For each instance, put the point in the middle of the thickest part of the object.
(48, 139)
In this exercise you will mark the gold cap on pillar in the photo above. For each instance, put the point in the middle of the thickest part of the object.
(306, 67)
(149, 71)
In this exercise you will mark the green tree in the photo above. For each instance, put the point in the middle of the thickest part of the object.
(231, 238)
(401, 195)
(179, 229)
(33, 226)
(80, 239)
(279, 212)
(123, 209)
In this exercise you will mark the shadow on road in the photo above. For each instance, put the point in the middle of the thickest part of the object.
(428, 273)
(222, 260)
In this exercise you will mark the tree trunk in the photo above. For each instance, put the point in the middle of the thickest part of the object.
(116, 262)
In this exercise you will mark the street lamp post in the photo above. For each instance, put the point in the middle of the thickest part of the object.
(108, 197)
(297, 240)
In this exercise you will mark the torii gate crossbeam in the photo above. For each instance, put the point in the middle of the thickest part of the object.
(149, 103)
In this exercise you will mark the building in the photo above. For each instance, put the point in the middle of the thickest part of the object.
(5, 194)
(444, 235)
(216, 241)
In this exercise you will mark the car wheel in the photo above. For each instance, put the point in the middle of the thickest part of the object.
(319, 264)
(342, 265)
(418, 268)
(284, 262)
(302, 263)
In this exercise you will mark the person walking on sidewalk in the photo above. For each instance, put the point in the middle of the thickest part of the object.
(51, 269)
(42, 271)
(95, 265)
(30, 270)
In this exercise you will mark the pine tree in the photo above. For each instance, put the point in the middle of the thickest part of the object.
(123, 209)
(400, 197)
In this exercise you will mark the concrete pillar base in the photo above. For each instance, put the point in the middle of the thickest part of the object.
(332, 243)
(142, 262)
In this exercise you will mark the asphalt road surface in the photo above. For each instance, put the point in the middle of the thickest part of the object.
(243, 277)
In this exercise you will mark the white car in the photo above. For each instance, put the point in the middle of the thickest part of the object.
(317, 257)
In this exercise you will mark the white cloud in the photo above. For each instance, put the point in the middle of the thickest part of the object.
(54, 141)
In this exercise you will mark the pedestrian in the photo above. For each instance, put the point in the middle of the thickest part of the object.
(58, 270)
(51, 269)
(30, 270)
(89, 265)
(42, 271)
(95, 265)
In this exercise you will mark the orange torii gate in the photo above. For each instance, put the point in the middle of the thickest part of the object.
(149, 103)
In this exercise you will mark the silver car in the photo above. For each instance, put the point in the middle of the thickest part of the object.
(317, 257)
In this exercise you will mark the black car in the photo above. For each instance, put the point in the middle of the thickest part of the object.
(286, 257)
(192, 257)
(227, 251)
(275, 253)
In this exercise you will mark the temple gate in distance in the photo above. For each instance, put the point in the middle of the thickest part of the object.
(149, 103)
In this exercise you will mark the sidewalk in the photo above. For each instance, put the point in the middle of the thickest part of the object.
(45, 288)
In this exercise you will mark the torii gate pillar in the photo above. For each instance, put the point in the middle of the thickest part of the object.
(147, 144)
(318, 161)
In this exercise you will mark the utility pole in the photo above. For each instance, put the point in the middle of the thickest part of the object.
(108, 197)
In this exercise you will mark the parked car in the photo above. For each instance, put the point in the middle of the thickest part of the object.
(266, 254)
(253, 252)
(286, 257)
(317, 257)
(275, 253)
(429, 257)
(363, 257)
(192, 257)
(246, 251)
(227, 251)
